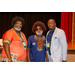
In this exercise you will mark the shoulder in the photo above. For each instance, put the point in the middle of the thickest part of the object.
(23, 34)
(59, 30)
(44, 37)
(48, 32)
(8, 32)
(30, 37)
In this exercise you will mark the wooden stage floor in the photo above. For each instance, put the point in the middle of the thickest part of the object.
(71, 47)
(71, 51)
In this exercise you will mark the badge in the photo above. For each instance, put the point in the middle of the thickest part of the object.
(24, 44)
(33, 44)
(48, 46)
(55, 37)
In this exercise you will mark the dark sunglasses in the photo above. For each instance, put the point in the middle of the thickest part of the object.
(39, 29)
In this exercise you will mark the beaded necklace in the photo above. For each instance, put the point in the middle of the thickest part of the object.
(21, 38)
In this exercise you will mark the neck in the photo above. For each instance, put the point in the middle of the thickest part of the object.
(17, 31)
(52, 29)
(39, 35)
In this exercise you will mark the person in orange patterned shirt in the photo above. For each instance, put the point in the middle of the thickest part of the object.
(14, 43)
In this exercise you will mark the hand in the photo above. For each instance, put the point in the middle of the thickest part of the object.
(29, 60)
(10, 60)
(47, 60)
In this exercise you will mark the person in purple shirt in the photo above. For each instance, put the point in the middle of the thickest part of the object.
(36, 48)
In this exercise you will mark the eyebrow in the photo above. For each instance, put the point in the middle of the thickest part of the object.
(18, 22)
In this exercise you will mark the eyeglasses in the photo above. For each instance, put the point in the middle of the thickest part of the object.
(51, 22)
(39, 29)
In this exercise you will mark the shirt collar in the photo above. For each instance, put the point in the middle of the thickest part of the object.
(53, 30)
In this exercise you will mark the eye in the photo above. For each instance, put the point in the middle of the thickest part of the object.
(17, 23)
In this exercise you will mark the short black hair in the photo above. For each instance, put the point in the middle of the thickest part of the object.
(17, 18)
(53, 19)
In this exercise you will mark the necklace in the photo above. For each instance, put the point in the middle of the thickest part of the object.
(22, 38)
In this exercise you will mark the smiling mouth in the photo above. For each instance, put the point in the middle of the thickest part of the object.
(50, 26)
(18, 29)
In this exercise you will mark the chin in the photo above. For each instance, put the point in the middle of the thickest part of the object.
(50, 28)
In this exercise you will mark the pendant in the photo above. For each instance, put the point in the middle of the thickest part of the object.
(24, 44)
(48, 46)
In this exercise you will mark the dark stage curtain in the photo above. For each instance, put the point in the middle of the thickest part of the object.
(29, 17)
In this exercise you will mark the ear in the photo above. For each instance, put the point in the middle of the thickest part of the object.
(14, 25)
(55, 24)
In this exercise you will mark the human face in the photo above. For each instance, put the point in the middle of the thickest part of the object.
(51, 24)
(18, 26)
(39, 31)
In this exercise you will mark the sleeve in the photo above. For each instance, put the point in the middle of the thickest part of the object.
(45, 45)
(7, 37)
(63, 42)
(29, 42)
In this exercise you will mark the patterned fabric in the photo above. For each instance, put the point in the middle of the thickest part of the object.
(50, 35)
(6, 40)
(13, 57)
(49, 40)
(40, 42)
(37, 46)
(18, 45)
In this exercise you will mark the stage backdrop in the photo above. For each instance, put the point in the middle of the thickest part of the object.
(66, 24)
(29, 17)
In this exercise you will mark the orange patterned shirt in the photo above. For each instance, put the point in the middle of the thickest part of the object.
(18, 46)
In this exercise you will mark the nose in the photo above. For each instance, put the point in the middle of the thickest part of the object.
(19, 26)
(50, 23)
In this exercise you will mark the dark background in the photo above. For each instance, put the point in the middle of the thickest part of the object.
(30, 18)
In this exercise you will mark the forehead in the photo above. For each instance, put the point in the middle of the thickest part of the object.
(38, 27)
(51, 20)
(18, 22)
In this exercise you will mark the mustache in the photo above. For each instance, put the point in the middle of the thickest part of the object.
(17, 29)
(39, 33)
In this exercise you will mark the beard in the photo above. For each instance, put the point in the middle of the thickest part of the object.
(17, 29)
(39, 33)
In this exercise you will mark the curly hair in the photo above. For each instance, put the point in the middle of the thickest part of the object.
(38, 23)
(15, 19)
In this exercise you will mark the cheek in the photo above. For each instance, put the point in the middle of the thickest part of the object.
(38, 31)
(15, 25)
(50, 26)
(20, 26)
